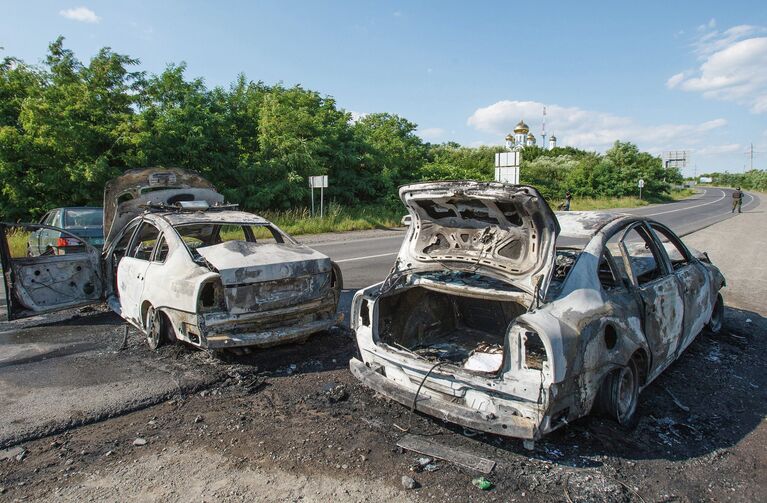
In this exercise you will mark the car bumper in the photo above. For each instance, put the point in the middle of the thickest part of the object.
(269, 337)
(506, 425)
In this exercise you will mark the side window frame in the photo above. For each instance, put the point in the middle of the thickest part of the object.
(673, 239)
(131, 246)
(620, 281)
(157, 247)
(658, 254)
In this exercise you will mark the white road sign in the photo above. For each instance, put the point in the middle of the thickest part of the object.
(641, 183)
(318, 182)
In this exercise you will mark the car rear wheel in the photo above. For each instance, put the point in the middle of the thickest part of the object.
(155, 328)
(619, 395)
(714, 325)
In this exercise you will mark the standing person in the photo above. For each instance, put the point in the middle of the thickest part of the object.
(568, 199)
(737, 200)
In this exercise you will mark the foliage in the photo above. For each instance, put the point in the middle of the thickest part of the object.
(66, 127)
(754, 179)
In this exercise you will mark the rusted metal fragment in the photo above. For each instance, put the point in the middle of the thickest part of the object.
(462, 458)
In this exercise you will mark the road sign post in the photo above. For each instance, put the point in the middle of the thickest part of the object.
(641, 186)
(319, 182)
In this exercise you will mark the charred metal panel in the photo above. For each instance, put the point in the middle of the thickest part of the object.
(495, 229)
(124, 194)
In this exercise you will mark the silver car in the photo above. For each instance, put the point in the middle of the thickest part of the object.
(179, 264)
(503, 317)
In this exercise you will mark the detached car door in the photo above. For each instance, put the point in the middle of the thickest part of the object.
(51, 282)
(660, 293)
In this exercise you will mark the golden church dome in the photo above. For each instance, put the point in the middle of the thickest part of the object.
(521, 127)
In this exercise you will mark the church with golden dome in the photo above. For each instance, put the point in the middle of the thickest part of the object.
(522, 137)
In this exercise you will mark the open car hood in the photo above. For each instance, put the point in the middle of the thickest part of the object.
(124, 195)
(504, 231)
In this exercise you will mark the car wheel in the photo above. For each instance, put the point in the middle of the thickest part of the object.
(155, 329)
(714, 325)
(619, 395)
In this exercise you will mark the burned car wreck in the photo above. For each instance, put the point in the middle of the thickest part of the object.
(179, 264)
(503, 317)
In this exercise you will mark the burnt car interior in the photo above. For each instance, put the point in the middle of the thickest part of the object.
(443, 327)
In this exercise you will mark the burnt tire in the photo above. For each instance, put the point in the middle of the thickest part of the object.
(155, 328)
(716, 322)
(618, 396)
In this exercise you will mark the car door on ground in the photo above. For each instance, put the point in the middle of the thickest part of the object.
(49, 282)
(659, 291)
(693, 283)
(132, 269)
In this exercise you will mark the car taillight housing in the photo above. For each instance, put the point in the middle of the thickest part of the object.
(64, 242)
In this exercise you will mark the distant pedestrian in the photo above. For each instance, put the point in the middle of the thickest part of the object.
(737, 200)
(568, 200)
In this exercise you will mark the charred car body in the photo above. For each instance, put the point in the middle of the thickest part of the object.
(502, 317)
(180, 264)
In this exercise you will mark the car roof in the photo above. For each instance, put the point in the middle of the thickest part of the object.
(211, 216)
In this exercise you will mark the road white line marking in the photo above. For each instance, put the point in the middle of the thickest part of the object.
(364, 258)
(687, 207)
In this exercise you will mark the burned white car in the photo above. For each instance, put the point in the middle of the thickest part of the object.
(180, 264)
(504, 318)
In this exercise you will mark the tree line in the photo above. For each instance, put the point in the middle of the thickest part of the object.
(66, 127)
(753, 179)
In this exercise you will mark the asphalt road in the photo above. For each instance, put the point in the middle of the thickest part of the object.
(367, 260)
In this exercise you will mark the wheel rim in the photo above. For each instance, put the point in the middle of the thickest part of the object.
(152, 328)
(626, 394)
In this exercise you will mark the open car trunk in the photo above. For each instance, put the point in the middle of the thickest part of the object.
(499, 230)
(449, 328)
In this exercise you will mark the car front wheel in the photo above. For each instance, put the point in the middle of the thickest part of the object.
(619, 395)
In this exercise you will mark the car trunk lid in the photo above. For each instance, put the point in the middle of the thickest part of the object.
(262, 276)
(505, 231)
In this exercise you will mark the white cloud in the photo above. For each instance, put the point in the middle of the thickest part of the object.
(588, 129)
(732, 67)
(431, 133)
(82, 14)
(729, 148)
(356, 116)
(675, 80)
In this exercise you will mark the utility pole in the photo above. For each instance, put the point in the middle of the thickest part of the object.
(752, 155)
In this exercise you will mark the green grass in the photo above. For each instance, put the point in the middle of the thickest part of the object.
(336, 219)
(17, 242)
(605, 203)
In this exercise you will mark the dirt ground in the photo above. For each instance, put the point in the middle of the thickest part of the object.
(292, 424)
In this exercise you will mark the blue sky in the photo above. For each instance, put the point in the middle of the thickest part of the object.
(665, 75)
